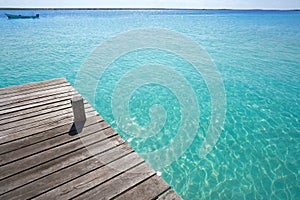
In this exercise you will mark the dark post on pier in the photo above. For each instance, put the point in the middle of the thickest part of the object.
(78, 112)
(42, 155)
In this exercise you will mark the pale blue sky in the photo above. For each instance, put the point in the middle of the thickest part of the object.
(209, 4)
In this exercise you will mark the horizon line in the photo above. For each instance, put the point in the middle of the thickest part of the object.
(115, 8)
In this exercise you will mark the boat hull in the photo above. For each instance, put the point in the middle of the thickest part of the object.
(9, 16)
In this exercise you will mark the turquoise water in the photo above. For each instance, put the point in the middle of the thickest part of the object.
(257, 54)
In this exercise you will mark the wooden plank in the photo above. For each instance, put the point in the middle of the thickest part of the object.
(59, 163)
(96, 177)
(14, 134)
(40, 107)
(22, 118)
(119, 184)
(19, 88)
(25, 127)
(51, 142)
(149, 189)
(18, 95)
(40, 94)
(65, 110)
(171, 195)
(21, 113)
(44, 135)
(63, 176)
(47, 125)
(36, 102)
(36, 98)
(35, 130)
(45, 101)
(62, 138)
(33, 91)
(48, 109)
(55, 116)
(37, 159)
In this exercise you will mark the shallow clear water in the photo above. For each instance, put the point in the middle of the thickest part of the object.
(257, 53)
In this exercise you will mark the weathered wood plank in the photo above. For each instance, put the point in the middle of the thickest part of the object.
(37, 159)
(39, 107)
(49, 124)
(44, 135)
(35, 130)
(96, 177)
(10, 128)
(62, 138)
(65, 175)
(29, 86)
(119, 184)
(171, 195)
(28, 111)
(59, 163)
(28, 97)
(65, 110)
(38, 114)
(39, 97)
(20, 95)
(21, 132)
(35, 114)
(149, 189)
(36, 102)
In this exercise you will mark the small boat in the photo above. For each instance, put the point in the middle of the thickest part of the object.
(22, 16)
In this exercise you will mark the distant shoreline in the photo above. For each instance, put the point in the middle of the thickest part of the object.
(144, 9)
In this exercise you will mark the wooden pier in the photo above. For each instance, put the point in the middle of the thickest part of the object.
(42, 154)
